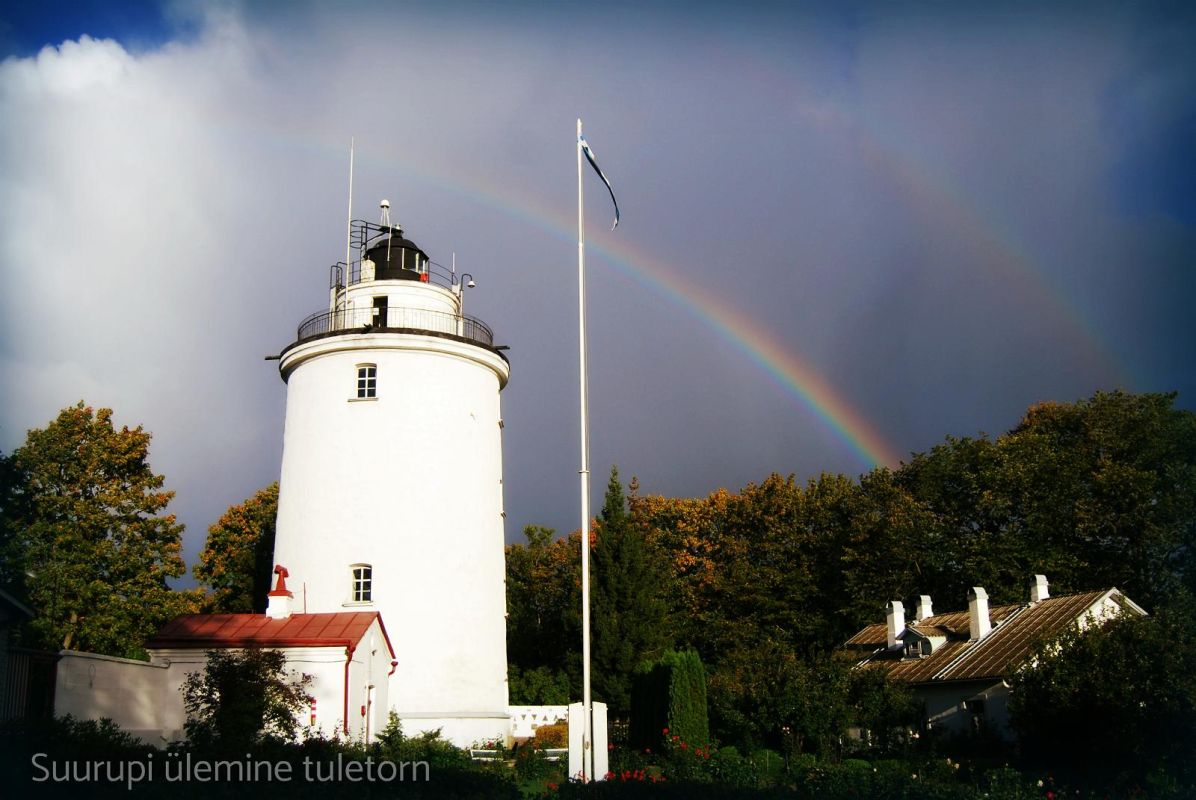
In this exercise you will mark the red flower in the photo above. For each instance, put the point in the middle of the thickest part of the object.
(665, 731)
(683, 745)
(626, 774)
(610, 746)
(609, 775)
(648, 750)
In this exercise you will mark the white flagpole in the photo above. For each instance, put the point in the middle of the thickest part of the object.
(587, 749)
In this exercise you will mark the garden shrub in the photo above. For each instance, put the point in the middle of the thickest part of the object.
(730, 768)
(768, 763)
(670, 693)
(532, 765)
(555, 735)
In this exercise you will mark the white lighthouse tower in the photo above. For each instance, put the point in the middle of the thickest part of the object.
(391, 490)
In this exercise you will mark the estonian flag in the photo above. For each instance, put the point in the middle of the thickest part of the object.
(594, 163)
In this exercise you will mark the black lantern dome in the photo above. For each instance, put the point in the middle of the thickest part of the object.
(397, 258)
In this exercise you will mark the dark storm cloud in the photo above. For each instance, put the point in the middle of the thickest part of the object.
(948, 215)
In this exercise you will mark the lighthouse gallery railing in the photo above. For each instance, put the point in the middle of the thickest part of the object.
(365, 320)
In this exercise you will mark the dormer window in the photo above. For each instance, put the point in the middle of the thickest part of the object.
(917, 646)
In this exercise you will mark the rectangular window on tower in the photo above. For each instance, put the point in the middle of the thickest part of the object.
(367, 381)
(363, 583)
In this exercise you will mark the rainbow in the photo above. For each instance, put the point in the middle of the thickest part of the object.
(791, 372)
(794, 374)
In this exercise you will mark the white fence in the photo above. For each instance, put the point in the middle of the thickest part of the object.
(525, 719)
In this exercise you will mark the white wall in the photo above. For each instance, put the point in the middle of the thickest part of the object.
(130, 693)
(946, 711)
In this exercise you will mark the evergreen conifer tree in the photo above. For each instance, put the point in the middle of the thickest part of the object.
(629, 605)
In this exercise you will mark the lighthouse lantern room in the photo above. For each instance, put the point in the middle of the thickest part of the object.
(390, 496)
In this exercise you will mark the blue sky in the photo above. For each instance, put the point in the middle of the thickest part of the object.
(139, 25)
(945, 213)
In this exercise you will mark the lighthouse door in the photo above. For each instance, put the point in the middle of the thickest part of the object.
(380, 312)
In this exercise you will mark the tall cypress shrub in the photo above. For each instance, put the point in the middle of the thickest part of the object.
(670, 694)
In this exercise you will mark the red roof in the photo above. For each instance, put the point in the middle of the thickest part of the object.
(343, 629)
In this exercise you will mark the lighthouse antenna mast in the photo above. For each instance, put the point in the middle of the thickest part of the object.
(348, 228)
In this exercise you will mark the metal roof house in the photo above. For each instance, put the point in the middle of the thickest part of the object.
(958, 663)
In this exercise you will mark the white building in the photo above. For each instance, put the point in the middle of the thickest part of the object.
(390, 498)
(347, 655)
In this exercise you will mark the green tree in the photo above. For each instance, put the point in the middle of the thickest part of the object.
(544, 602)
(629, 608)
(770, 695)
(1114, 704)
(1105, 490)
(1097, 493)
(85, 536)
(886, 708)
(890, 547)
(538, 686)
(238, 558)
(242, 698)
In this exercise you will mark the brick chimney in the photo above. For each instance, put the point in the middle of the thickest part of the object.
(978, 622)
(924, 609)
(895, 623)
(278, 602)
(1038, 589)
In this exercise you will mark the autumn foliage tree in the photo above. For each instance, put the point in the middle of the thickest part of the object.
(237, 560)
(85, 537)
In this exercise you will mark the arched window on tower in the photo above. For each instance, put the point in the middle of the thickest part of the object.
(367, 381)
(363, 583)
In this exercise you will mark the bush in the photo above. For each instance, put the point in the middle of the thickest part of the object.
(532, 765)
(243, 698)
(555, 735)
(767, 763)
(730, 768)
(1115, 705)
(670, 693)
